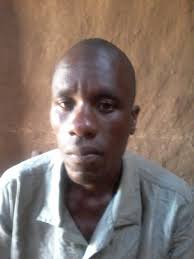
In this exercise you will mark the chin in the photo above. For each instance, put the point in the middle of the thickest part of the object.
(84, 177)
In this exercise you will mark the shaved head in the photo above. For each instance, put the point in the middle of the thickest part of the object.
(95, 49)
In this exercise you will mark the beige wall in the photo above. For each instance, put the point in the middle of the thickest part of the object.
(158, 36)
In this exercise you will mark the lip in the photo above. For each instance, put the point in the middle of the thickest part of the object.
(84, 151)
(83, 159)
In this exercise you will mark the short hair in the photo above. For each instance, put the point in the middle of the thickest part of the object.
(116, 54)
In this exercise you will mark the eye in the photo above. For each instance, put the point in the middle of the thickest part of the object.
(106, 106)
(66, 104)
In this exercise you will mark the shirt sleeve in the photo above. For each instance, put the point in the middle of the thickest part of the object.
(183, 241)
(5, 223)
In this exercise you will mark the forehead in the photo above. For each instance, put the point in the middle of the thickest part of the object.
(96, 72)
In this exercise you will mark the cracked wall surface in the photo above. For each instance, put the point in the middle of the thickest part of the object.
(158, 36)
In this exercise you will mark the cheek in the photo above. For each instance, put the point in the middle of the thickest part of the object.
(117, 129)
(56, 118)
(117, 133)
(59, 123)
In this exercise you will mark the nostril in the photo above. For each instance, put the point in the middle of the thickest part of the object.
(90, 135)
(72, 133)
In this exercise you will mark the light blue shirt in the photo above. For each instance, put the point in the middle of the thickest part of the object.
(149, 217)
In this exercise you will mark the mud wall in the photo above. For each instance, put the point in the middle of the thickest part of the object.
(158, 36)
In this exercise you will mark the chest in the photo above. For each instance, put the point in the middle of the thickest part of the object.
(86, 216)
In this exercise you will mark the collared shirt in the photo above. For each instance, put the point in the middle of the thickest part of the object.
(149, 217)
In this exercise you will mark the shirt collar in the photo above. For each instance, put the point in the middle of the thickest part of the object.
(52, 209)
(123, 210)
(51, 196)
(127, 207)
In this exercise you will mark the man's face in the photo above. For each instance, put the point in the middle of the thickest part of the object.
(91, 117)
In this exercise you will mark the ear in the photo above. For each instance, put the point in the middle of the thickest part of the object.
(133, 120)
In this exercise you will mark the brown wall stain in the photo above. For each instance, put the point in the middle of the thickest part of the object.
(158, 36)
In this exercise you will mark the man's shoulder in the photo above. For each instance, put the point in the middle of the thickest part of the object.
(154, 174)
(32, 167)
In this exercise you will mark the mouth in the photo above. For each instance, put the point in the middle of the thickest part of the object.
(84, 154)
(84, 151)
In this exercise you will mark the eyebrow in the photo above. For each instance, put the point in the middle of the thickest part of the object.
(63, 92)
(107, 94)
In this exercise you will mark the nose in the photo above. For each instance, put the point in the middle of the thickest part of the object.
(83, 123)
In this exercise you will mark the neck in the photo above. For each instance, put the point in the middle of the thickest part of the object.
(94, 189)
(87, 203)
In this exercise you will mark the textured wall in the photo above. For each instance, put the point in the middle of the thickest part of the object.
(158, 35)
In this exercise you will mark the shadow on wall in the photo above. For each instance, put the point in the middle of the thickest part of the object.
(11, 92)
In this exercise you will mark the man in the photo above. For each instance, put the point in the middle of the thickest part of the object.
(89, 199)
